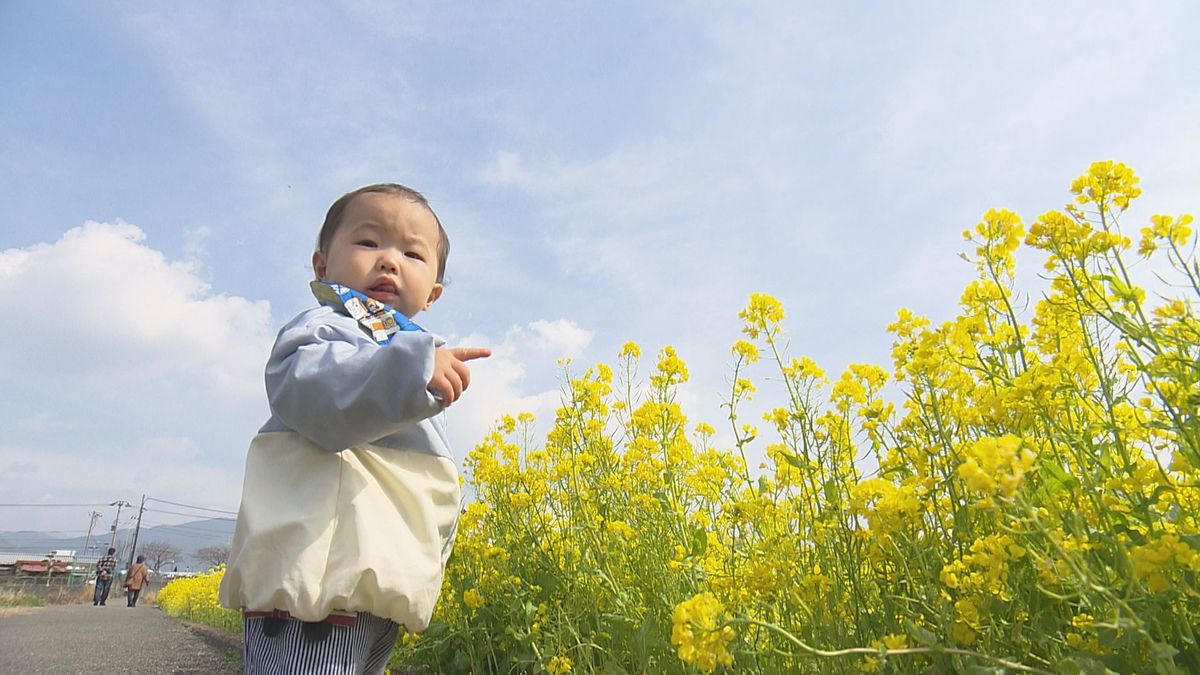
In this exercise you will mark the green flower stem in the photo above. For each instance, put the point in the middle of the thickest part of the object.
(867, 651)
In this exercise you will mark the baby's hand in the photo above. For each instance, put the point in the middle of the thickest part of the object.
(451, 377)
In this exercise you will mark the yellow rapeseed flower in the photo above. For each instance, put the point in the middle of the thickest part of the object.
(745, 351)
(893, 641)
(1107, 184)
(762, 315)
(472, 598)
(698, 633)
(631, 350)
(1174, 231)
(996, 464)
(671, 369)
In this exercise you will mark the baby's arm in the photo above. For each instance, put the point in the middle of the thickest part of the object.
(337, 387)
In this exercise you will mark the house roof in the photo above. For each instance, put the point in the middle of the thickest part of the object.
(39, 566)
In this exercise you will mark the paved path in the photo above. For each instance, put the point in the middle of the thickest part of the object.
(111, 639)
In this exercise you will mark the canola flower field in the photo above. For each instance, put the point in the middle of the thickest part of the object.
(1020, 492)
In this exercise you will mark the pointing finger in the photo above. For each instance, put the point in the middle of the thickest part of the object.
(469, 353)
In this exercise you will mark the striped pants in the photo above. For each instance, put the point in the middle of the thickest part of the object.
(285, 646)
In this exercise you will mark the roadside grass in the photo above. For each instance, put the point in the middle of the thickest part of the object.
(9, 598)
(27, 596)
(13, 603)
(71, 596)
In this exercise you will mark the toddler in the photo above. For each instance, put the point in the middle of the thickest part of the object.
(351, 495)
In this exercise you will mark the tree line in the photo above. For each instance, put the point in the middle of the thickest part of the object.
(159, 553)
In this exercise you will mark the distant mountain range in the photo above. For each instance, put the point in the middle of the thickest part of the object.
(186, 538)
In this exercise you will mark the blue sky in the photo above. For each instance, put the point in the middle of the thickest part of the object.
(606, 171)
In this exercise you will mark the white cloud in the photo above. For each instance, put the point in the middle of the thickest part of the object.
(100, 302)
(123, 373)
(503, 383)
(507, 169)
(561, 339)
(157, 449)
(194, 247)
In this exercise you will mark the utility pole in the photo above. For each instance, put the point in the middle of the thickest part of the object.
(94, 515)
(136, 530)
(119, 503)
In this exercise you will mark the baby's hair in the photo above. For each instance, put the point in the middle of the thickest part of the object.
(333, 219)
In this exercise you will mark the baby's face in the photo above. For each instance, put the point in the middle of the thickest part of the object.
(385, 247)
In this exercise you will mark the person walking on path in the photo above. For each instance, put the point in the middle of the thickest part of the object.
(139, 575)
(104, 571)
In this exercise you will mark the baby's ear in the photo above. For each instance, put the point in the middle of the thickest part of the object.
(434, 294)
(318, 263)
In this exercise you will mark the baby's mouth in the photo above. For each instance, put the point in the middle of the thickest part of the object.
(382, 290)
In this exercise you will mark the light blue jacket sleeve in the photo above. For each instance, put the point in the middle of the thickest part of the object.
(330, 382)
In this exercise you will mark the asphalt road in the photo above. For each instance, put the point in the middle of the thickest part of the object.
(111, 639)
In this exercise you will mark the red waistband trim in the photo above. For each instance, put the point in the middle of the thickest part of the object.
(336, 619)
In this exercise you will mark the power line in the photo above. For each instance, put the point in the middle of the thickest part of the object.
(18, 533)
(24, 549)
(76, 543)
(54, 506)
(191, 506)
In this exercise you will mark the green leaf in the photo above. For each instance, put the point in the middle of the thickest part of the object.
(436, 629)
(764, 485)
(792, 459)
(611, 665)
(1164, 655)
(661, 496)
(922, 635)
(462, 662)
(1068, 666)
(1135, 536)
(1054, 477)
(547, 581)
(831, 494)
(1087, 665)
(1114, 663)
(1126, 623)
(699, 542)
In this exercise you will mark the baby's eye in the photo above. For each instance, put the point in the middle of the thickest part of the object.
(415, 256)
(369, 243)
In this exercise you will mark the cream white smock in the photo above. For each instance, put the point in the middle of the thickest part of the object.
(351, 496)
